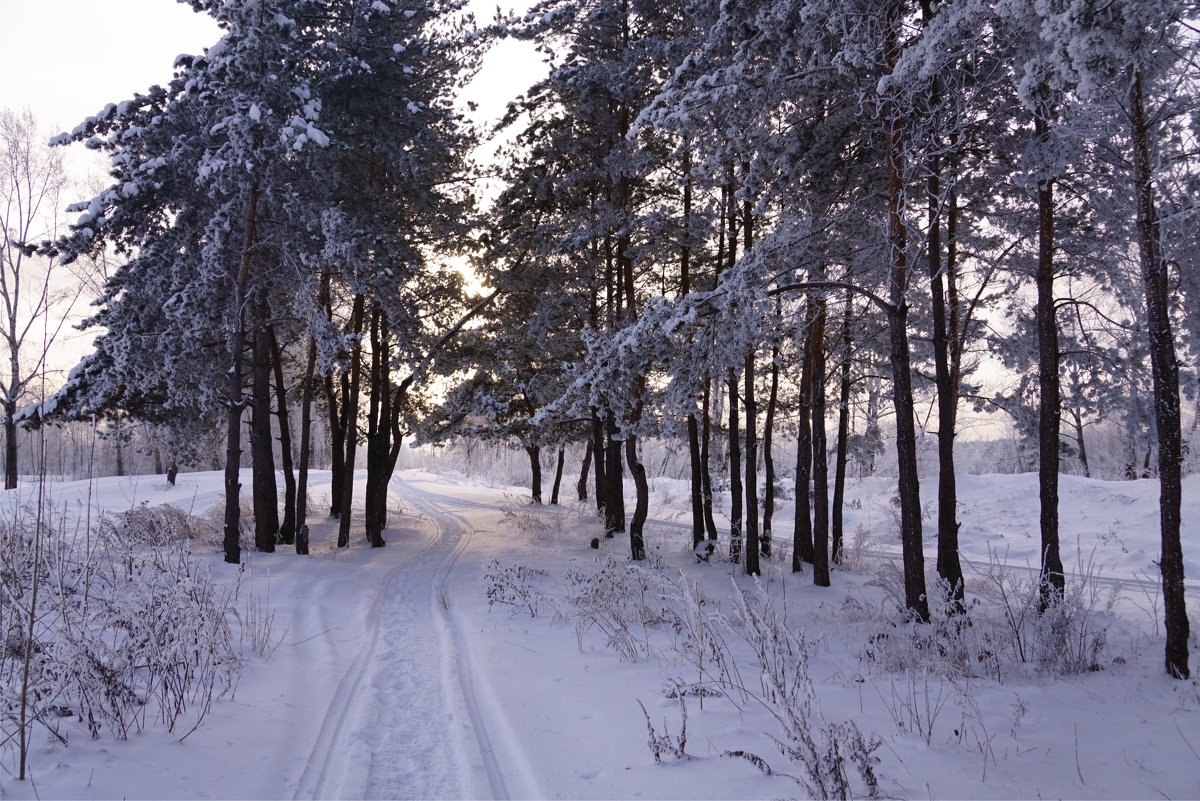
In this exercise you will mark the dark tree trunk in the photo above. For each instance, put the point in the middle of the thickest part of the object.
(614, 480)
(948, 566)
(337, 441)
(1049, 404)
(641, 509)
(843, 433)
(710, 523)
(802, 533)
(535, 468)
(906, 435)
(306, 401)
(558, 471)
(581, 485)
(10, 445)
(695, 480)
(752, 543)
(1165, 371)
(287, 529)
(820, 468)
(599, 455)
(350, 417)
(379, 431)
(265, 492)
(768, 516)
(735, 472)
(236, 403)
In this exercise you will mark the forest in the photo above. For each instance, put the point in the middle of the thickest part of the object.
(736, 231)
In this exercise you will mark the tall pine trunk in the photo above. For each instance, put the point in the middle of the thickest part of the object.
(820, 468)
(843, 433)
(599, 455)
(909, 487)
(264, 490)
(752, 543)
(768, 515)
(614, 479)
(379, 431)
(287, 529)
(1049, 404)
(235, 402)
(710, 523)
(558, 471)
(802, 533)
(534, 452)
(948, 566)
(584, 469)
(306, 402)
(350, 418)
(1165, 370)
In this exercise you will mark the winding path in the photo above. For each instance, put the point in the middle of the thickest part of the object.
(413, 715)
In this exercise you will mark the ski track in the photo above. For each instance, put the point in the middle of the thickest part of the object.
(413, 715)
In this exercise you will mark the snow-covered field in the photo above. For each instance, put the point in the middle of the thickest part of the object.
(394, 678)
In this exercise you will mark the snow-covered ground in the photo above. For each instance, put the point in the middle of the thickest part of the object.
(394, 678)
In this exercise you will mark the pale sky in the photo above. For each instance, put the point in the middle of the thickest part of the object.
(67, 59)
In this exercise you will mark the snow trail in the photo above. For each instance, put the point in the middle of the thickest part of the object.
(411, 716)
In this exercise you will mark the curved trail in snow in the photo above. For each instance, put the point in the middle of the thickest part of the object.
(413, 715)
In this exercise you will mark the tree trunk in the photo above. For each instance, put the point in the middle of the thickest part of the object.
(948, 566)
(735, 472)
(906, 435)
(710, 523)
(265, 492)
(581, 485)
(695, 482)
(820, 468)
(306, 400)
(641, 509)
(752, 543)
(379, 431)
(535, 468)
(1049, 404)
(768, 455)
(10, 445)
(802, 533)
(350, 418)
(235, 402)
(558, 471)
(614, 480)
(287, 529)
(843, 434)
(1083, 457)
(337, 441)
(599, 455)
(1165, 371)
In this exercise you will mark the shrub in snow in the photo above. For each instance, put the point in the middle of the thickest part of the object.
(509, 586)
(617, 599)
(1003, 629)
(525, 517)
(828, 754)
(129, 630)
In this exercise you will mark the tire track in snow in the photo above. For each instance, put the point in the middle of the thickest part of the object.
(507, 769)
(327, 756)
